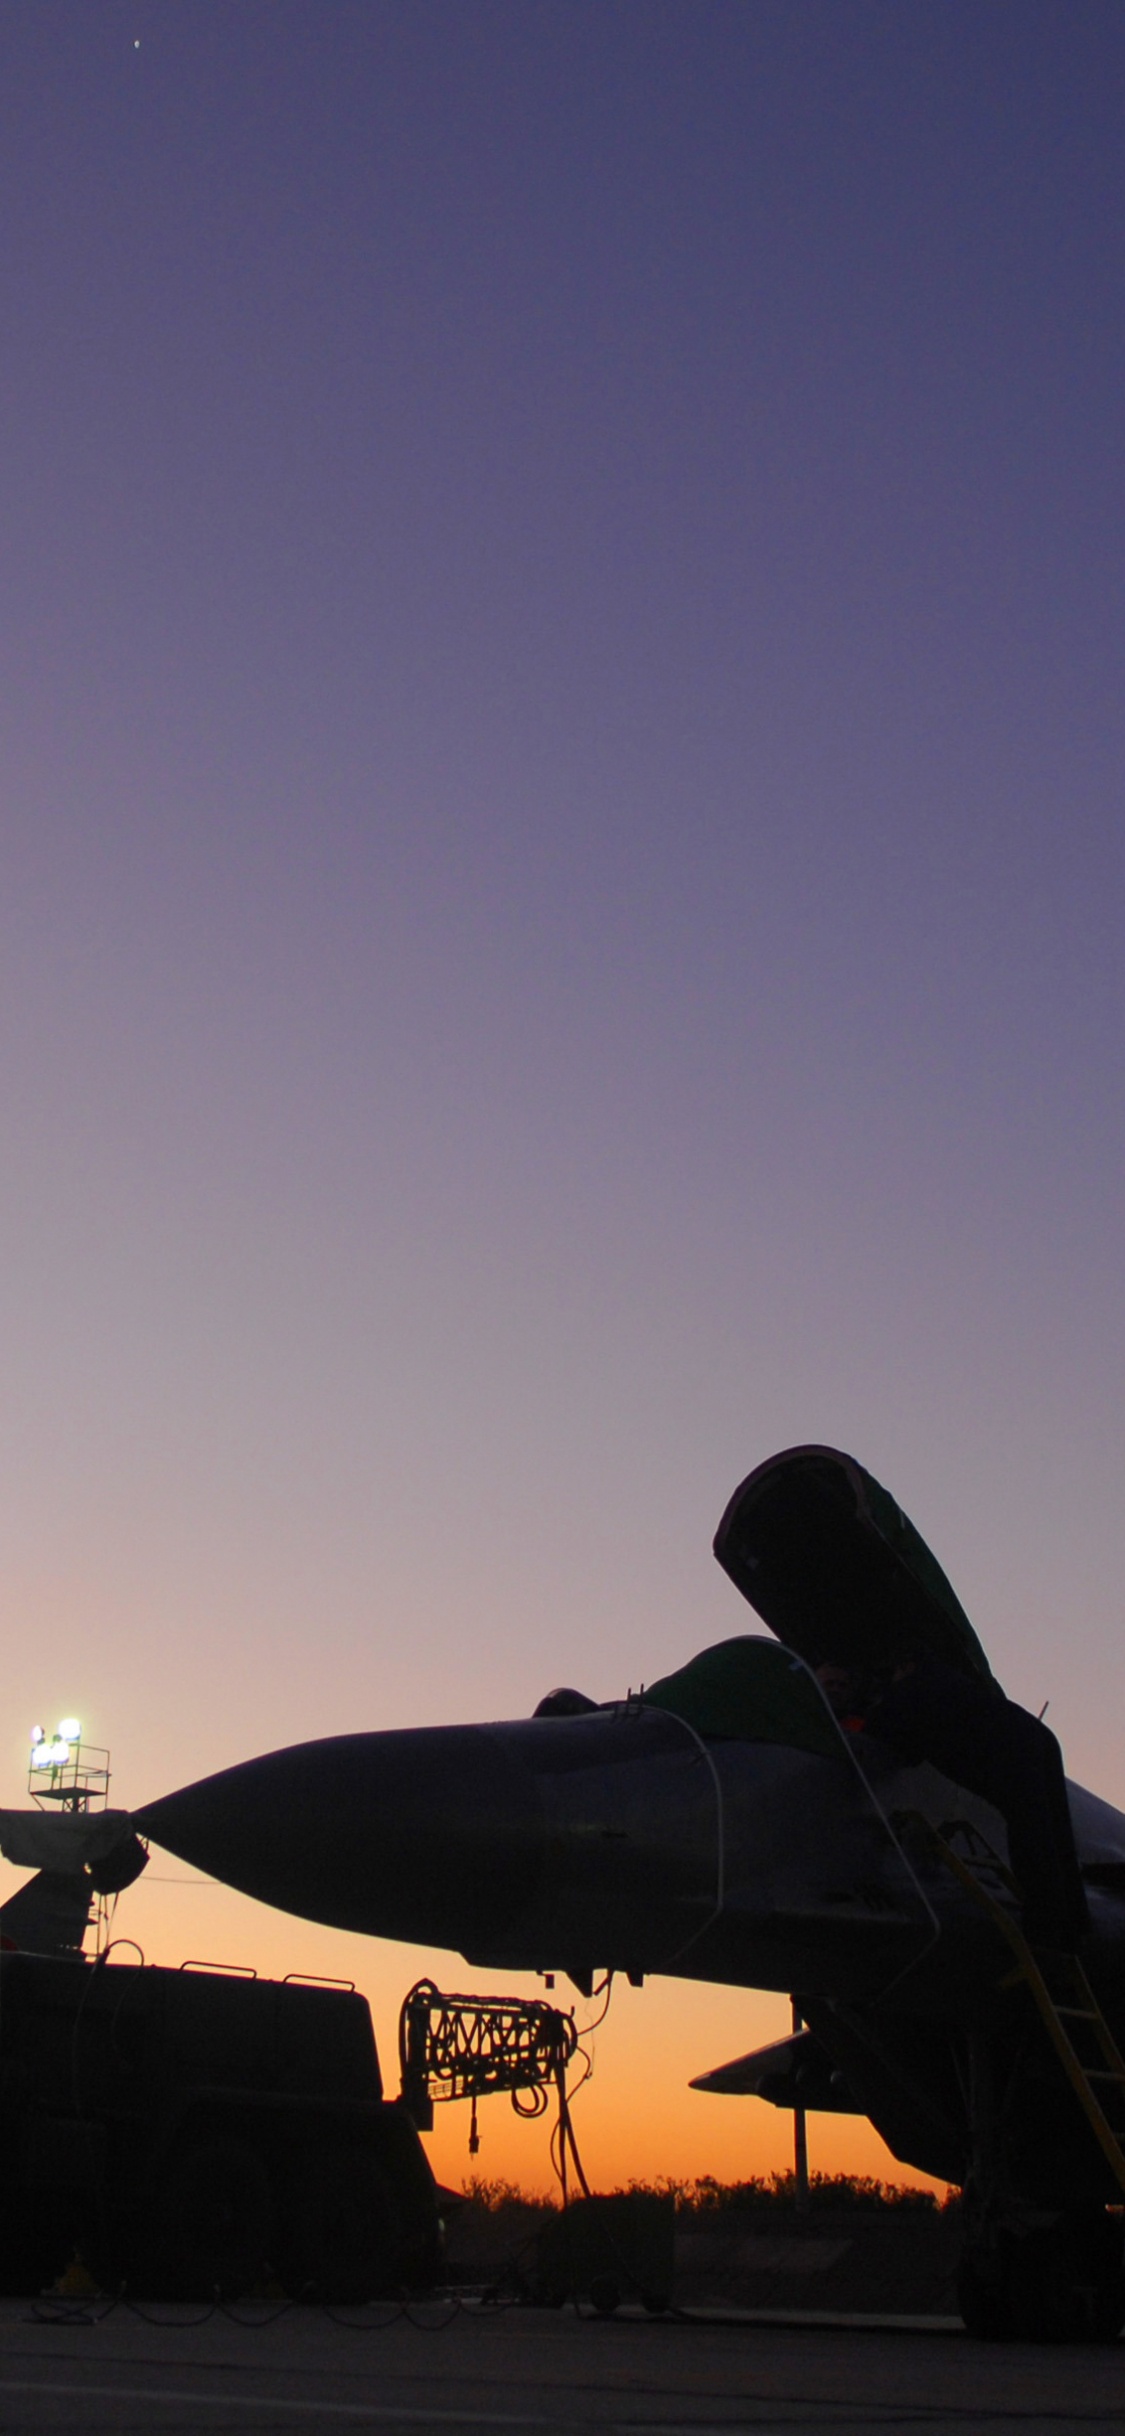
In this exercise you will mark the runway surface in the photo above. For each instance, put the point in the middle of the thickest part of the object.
(533, 2370)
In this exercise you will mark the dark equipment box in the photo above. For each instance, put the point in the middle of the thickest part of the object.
(609, 2249)
(196, 2133)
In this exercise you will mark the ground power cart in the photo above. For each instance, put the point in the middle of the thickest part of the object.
(198, 2134)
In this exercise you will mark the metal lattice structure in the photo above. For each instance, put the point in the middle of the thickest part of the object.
(75, 1775)
(474, 2046)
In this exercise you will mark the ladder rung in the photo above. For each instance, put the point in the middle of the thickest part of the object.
(1037, 1968)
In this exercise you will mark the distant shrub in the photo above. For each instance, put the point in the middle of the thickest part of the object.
(494, 2195)
(704, 2195)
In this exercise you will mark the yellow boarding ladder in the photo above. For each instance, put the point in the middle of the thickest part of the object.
(1067, 2006)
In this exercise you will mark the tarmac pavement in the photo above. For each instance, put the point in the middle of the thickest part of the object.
(107, 2371)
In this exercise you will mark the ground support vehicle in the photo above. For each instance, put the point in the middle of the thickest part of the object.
(197, 2133)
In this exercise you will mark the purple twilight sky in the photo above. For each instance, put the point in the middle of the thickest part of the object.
(561, 845)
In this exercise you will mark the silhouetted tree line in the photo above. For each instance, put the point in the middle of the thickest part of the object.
(704, 2195)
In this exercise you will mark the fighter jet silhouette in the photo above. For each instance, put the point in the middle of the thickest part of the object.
(842, 1812)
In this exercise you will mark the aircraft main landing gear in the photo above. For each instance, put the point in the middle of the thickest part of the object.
(1058, 2282)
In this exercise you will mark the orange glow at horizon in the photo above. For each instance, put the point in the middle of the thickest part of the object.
(635, 2117)
(561, 905)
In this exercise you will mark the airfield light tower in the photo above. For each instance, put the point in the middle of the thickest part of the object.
(65, 1770)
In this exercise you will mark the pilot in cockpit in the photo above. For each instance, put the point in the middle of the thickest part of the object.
(845, 1689)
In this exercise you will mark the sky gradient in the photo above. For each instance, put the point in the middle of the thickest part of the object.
(561, 873)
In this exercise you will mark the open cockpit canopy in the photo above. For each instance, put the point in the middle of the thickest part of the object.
(833, 1566)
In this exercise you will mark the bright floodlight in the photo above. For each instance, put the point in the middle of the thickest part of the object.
(60, 1752)
(70, 1730)
(36, 1736)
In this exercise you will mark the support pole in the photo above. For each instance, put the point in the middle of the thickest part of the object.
(800, 2143)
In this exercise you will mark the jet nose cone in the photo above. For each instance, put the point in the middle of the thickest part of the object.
(433, 1835)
